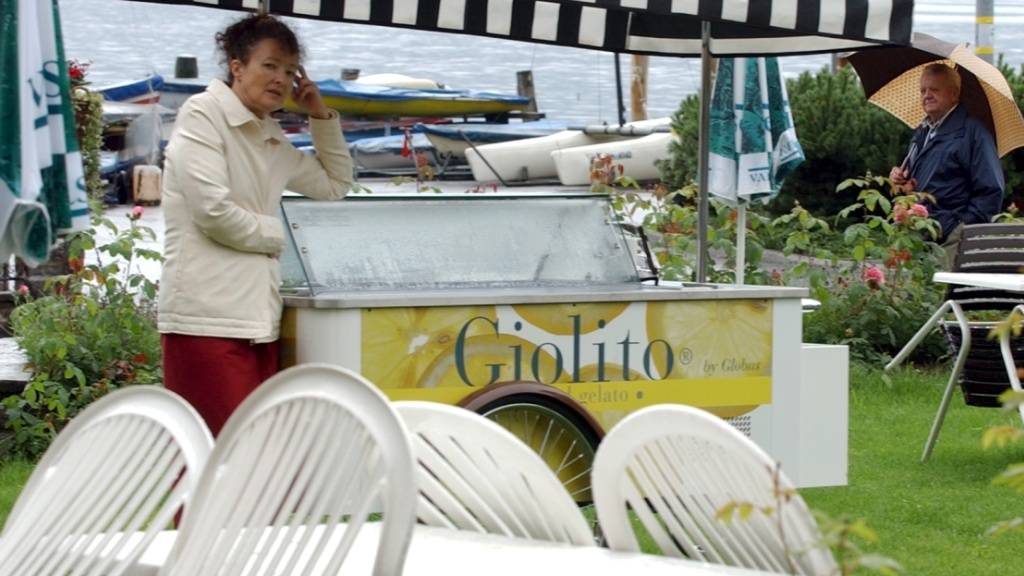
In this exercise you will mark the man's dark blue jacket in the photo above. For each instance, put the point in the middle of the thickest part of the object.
(960, 167)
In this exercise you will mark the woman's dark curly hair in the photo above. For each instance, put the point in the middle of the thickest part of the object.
(237, 41)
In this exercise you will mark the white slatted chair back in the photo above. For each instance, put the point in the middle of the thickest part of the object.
(295, 473)
(109, 483)
(676, 468)
(474, 475)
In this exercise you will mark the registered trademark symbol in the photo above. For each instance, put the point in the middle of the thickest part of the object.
(685, 356)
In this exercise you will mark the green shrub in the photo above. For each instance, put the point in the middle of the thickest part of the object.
(680, 169)
(877, 300)
(670, 220)
(93, 331)
(875, 289)
(840, 131)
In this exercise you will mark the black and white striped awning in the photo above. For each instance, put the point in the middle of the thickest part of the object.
(658, 27)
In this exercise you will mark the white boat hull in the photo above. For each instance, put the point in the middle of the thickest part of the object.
(531, 159)
(637, 157)
(528, 159)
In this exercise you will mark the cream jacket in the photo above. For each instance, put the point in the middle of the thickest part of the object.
(224, 172)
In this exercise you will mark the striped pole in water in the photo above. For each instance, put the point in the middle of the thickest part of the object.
(983, 37)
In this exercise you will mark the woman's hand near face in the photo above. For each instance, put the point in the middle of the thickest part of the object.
(307, 96)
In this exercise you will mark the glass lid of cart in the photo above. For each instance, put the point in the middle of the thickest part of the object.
(538, 289)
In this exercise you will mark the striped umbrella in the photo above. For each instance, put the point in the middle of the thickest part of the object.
(42, 190)
(657, 27)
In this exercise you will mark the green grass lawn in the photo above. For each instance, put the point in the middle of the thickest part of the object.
(930, 517)
(13, 476)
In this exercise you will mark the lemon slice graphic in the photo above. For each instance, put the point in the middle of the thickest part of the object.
(489, 359)
(732, 337)
(399, 344)
(558, 318)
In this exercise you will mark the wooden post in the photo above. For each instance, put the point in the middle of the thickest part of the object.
(186, 66)
(524, 87)
(638, 87)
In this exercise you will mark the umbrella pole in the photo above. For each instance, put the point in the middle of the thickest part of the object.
(705, 152)
(618, 89)
(741, 243)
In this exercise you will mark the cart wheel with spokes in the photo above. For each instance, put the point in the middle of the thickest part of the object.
(550, 422)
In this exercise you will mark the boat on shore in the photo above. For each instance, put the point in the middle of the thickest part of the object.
(142, 91)
(399, 81)
(366, 100)
(637, 156)
(453, 139)
(362, 98)
(392, 154)
(533, 158)
(176, 90)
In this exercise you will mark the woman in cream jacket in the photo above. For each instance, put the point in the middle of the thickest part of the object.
(226, 167)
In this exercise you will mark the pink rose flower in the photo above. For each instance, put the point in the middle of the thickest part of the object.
(22, 290)
(874, 277)
(919, 210)
(899, 214)
(136, 213)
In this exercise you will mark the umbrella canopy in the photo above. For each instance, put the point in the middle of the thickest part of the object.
(753, 143)
(753, 140)
(891, 80)
(659, 27)
(42, 190)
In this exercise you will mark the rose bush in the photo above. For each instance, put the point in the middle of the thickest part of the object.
(92, 331)
(875, 289)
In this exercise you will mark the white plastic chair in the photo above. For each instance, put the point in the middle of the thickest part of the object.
(474, 475)
(296, 471)
(677, 467)
(109, 483)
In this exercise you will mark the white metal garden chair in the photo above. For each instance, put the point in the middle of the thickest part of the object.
(474, 475)
(295, 473)
(680, 470)
(109, 483)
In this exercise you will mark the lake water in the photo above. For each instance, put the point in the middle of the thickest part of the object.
(126, 40)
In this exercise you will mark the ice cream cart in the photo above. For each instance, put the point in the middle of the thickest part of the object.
(533, 309)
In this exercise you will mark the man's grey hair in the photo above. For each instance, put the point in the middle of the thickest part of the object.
(939, 69)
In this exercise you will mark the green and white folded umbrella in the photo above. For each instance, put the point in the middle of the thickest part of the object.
(42, 187)
(752, 139)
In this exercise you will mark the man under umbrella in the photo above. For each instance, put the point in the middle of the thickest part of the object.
(953, 157)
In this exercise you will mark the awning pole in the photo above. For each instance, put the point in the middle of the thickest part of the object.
(705, 124)
(618, 89)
